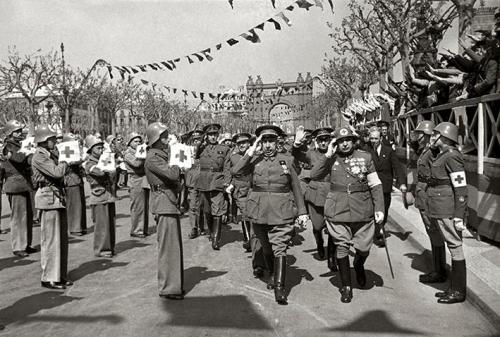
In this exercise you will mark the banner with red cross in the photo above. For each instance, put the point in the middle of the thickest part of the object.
(107, 162)
(140, 151)
(69, 151)
(28, 145)
(181, 155)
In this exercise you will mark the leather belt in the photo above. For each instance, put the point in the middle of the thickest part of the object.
(211, 169)
(272, 189)
(433, 182)
(158, 188)
(423, 179)
(349, 188)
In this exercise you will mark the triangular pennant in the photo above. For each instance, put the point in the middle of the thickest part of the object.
(167, 88)
(319, 3)
(232, 42)
(135, 71)
(126, 70)
(194, 94)
(167, 65)
(273, 2)
(290, 8)
(254, 38)
(330, 2)
(218, 46)
(185, 92)
(212, 96)
(157, 66)
(202, 96)
(231, 3)
(277, 26)
(284, 18)
(189, 60)
(143, 68)
(206, 53)
(304, 4)
(199, 57)
(110, 72)
(174, 90)
(144, 82)
(122, 73)
(152, 67)
(260, 26)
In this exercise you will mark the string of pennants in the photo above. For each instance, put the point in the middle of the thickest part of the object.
(318, 3)
(251, 35)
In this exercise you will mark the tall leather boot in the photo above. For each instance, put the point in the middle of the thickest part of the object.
(194, 229)
(245, 227)
(269, 259)
(209, 221)
(279, 280)
(359, 268)
(345, 278)
(438, 274)
(458, 290)
(217, 225)
(330, 254)
(320, 249)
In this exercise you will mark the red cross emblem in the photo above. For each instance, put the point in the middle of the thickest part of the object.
(68, 152)
(182, 156)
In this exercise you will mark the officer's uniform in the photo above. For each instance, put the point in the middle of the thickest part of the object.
(139, 215)
(48, 177)
(165, 182)
(354, 197)
(191, 178)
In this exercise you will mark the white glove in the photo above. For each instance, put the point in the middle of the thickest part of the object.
(230, 189)
(303, 220)
(300, 136)
(332, 148)
(379, 217)
(253, 148)
(459, 224)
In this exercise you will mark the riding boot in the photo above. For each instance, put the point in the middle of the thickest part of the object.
(345, 278)
(458, 288)
(318, 236)
(209, 220)
(359, 268)
(217, 225)
(194, 229)
(245, 226)
(270, 265)
(438, 274)
(330, 254)
(279, 280)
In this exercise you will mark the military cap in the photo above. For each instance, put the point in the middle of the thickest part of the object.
(195, 134)
(154, 131)
(110, 138)
(132, 136)
(91, 141)
(344, 133)
(242, 137)
(212, 128)
(225, 136)
(11, 126)
(322, 132)
(42, 133)
(269, 130)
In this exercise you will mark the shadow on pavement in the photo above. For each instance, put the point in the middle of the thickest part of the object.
(401, 236)
(230, 235)
(129, 244)
(111, 319)
(372, 280)
(195, 275)
(294, 275)
(14, 261)
(423, 263)
(233, 311)
(94, 266)
(376, 321)
(30, 305)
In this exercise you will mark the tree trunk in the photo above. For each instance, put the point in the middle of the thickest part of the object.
(113, 124)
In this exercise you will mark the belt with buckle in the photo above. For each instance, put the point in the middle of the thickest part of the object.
(349, 188)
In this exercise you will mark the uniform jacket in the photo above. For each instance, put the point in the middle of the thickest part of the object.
(192, 175)
(275, 197)
(242, 181)
(316, 189)
(356, 171)
(101, 183)
(17, 169)
(214, 167)
(48, 178)
(423, 175)
(165, 182)
(74, 175)
(133, 165)
(388, 167)
(447, 195)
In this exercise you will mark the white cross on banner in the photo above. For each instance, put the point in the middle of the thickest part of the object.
(181, 155)
(107, 162)
(69, 151)
(140, 151)
(28, 145)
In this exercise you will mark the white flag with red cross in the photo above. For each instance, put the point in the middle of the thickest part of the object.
(107, 162)
(28, 145)
(69, 151)
(181, 155)
(140, 151)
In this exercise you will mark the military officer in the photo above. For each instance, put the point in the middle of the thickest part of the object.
(354, 200)
(165, 182)
(18, 188)
(101, 199)
(191, 178)
(447, 204)
(76, 204)
(214, 178)
(139, 215)
(48, 178)
(316, 189)
(274, 202)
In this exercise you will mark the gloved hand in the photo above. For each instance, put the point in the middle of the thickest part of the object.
(300, 136)
(303, 220)
(379, 217)
(253, 148)
(459, 224)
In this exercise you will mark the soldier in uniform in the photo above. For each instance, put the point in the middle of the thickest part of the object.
(191, 179)
(101, 199)
(447, 204)
(165, 182)
(48, 178)
(139, 216)
(274, 202)
(18, 188)
(76, 204)
(354, 200)
(214, 178)
(316, 189)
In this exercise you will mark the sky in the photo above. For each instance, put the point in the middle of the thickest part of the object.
(130, 32)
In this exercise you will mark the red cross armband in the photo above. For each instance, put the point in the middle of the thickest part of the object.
(458, 179)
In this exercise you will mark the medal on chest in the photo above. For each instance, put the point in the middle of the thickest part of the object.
(284, 167)
(356, 166)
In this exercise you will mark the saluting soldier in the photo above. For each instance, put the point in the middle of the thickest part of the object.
(139, 215)
(447, 204)
(76, 205)
(48, 178)
(214, 178)
(316, 189)
(101, 199)
(354, 200)
(18, 188)
(191, 177)
(274, 202)
(165, 183)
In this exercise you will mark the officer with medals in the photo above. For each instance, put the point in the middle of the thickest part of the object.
(447, 204)
(48, 178)
(353, 204)
(214, 178)
(191, 176)
(316, 189)
(274, 202)
(165, 183)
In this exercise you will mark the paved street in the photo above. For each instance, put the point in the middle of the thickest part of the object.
(118, 297)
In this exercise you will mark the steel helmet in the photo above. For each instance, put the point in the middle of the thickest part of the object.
(11, 126)
(42, 133)
(131, 137)
(91, 141)
(425, 127)
(154, 131)
(448, 130)
(68, 137)
(110, 139)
